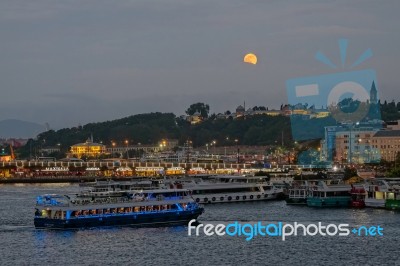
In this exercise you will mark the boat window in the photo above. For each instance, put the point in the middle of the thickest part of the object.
(225, 190)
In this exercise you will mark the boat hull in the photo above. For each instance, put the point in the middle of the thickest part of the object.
(392, 204)
(328, 202)
(357, 204)
(138, 219)
(296, 201)
(374, 203)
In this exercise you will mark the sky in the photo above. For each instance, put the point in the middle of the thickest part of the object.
(70, 62)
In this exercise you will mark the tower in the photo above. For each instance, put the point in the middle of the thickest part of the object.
(373, 94)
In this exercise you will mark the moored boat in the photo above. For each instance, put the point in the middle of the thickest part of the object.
(393, 199)
(115, 208)
(377, 193)
(227, 189)
(358, 195)
(333, 195)
(298, 193)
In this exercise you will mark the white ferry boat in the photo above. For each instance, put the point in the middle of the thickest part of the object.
(377, 193)
(219, 189)
(104, 207)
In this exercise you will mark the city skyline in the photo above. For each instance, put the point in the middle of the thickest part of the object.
(94, 61)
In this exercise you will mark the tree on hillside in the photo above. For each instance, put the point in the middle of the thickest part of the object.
(202, 108)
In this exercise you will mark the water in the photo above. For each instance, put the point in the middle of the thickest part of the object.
(22, 244)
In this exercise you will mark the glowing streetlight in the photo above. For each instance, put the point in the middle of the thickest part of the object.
(127, 154)
(237, 148)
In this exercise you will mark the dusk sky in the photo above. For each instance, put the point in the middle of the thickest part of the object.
(74, 62)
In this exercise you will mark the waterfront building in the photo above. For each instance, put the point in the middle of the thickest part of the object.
(350, 143)
(88, 149)
(361, 143)
(354, 145)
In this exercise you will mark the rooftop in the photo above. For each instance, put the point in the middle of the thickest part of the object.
(387, 133)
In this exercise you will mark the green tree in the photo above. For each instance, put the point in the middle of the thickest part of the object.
(202, 108)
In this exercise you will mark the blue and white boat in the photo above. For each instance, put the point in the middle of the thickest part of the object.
(116, 208)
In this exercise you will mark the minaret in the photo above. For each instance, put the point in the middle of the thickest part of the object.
(373, 94)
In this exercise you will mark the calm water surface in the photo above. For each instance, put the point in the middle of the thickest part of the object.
(22, 244)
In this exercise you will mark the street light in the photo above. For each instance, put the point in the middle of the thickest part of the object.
(215, 146)
(237, 148)
(127, 154)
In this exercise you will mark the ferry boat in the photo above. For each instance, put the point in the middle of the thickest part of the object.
(393, 199)
(377, 193)
(358, 195)
(224, 189)
(332, 195)
(298, 193)
(116, 208)
(393, 204)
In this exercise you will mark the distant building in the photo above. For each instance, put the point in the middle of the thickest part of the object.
(393, 125)
(195, 118)
(49, 150)
(354, 145)
(387, 142)
(88, 149)
(240, 111)
(363, 143)
(5, 158)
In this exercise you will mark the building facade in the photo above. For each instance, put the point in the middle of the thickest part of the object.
(366, 143)
(88, 149)
(387, 142)
(354, 145)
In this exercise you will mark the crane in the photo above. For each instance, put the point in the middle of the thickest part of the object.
(12, 152)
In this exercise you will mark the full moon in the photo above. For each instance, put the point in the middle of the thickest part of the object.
(250, 59)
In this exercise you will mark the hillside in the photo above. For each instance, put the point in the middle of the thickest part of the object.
(153, 127)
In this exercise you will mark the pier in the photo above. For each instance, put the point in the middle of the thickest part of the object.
(122, 163)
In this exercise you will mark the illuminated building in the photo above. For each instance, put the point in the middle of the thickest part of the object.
(88, 149)
(5, 158)
(195, 118)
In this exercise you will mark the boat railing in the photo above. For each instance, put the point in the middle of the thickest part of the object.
(297, 196)
(53, 203)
